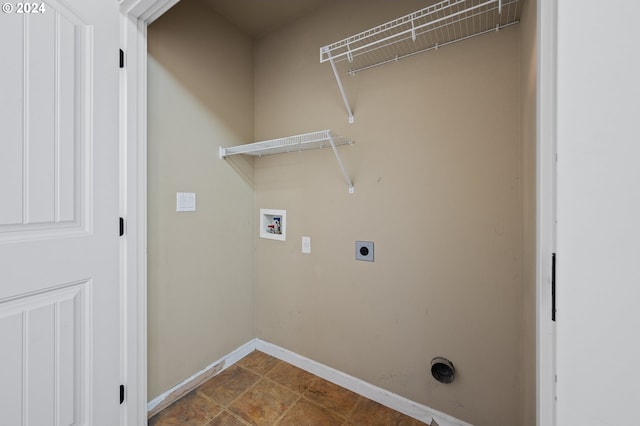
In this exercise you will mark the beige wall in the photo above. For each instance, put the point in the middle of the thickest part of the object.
(437, 172)
(201, 265)
(528, 64)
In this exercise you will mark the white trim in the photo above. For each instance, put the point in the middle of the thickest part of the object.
(136, 15)
(213, 369)
(546, 209)
(389, 399)
(146, 11)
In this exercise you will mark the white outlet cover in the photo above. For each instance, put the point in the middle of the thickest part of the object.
(306, 244)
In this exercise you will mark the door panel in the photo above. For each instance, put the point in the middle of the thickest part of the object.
(59, 270)
(47, 125)
(11, 117)
(46, 335)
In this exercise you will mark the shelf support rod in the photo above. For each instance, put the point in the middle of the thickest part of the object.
(344, 172)
(344, 95)
(413, 30)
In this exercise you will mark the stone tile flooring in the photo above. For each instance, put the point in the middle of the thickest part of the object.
(262, 390)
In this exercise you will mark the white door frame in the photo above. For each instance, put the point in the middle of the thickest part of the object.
(136, 16)
(546, 209)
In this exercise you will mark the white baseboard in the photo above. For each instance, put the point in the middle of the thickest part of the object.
(389, 399)
(187, 385)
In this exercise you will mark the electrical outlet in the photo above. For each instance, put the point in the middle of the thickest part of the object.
(364, 251)
(306, 245)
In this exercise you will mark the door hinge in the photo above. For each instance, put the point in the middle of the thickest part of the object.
(121, 394)
(553, 286)
(121, 226)
(121, 58)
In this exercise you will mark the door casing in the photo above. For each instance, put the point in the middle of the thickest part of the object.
(136, 15)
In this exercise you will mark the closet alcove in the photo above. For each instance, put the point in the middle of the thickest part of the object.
(444, 178)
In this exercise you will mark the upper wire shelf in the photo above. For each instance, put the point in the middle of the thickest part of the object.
(435, 26)
(303, 142)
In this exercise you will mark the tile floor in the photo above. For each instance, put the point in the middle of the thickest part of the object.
(262, 390)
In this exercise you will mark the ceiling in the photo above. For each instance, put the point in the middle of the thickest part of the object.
(260, 17)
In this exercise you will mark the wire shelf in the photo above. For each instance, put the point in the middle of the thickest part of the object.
(314, 140)
(443, 23)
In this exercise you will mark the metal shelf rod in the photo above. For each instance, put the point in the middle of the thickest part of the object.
(344, 172)
(344, 96)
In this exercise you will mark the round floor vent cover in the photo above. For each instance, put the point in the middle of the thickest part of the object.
(442, 370)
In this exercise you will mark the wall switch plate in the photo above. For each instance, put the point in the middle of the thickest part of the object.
(185, 201)
(364, 250)
(306, 244)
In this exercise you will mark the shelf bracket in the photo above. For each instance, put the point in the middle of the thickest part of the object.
(339, 81)
(344, 172)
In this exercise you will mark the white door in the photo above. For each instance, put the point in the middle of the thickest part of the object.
(59, 291)
(598, 190)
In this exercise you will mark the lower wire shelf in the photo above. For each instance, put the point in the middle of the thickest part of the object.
(303, 142)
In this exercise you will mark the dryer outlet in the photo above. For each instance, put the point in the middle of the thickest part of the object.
(364, 250)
